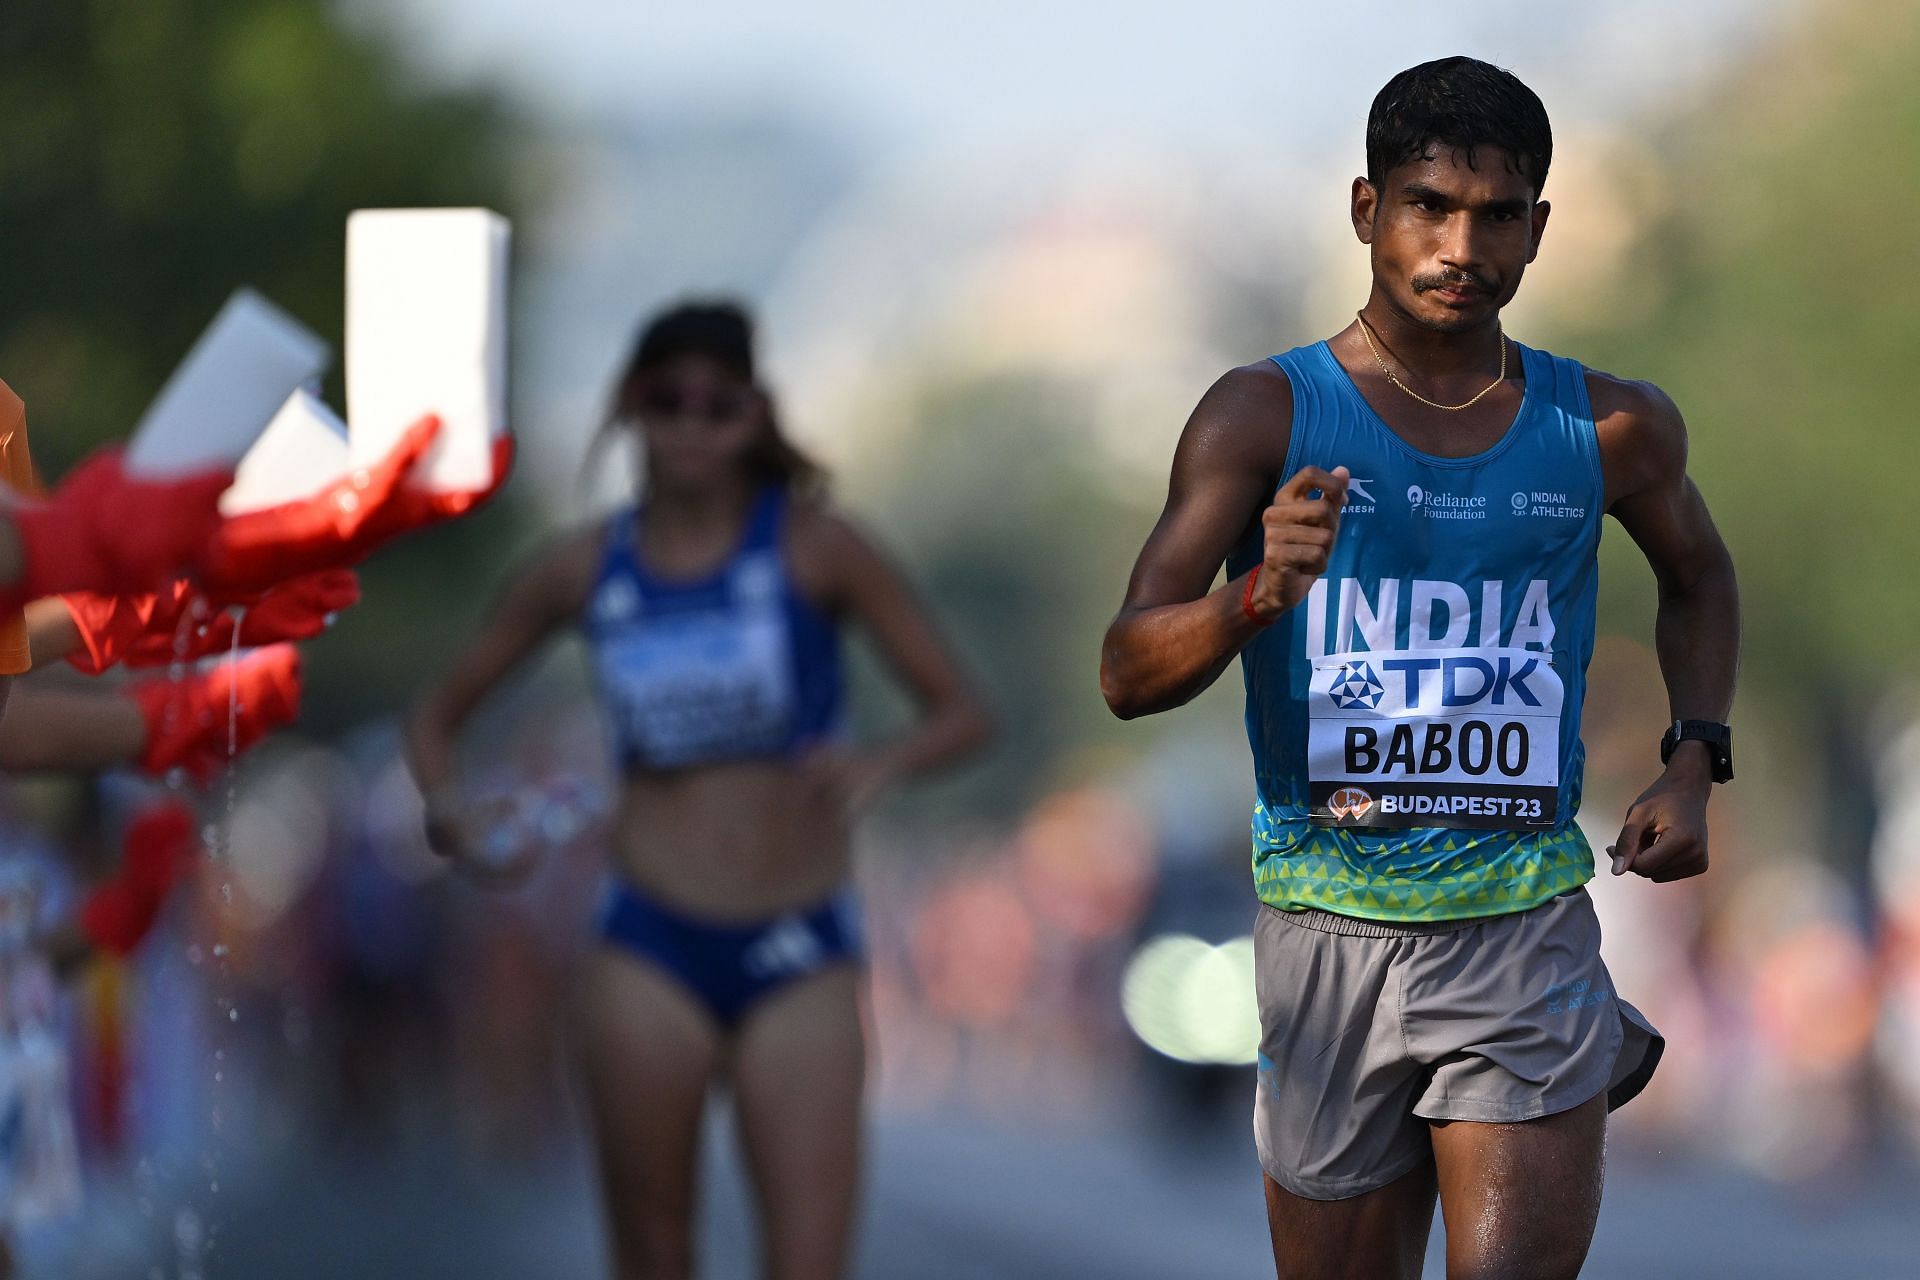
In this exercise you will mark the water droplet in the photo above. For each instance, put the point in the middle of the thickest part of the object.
(233, 1015)
(187, 1232)
(193, 956)
(226, 892)
(219, 1076)
(210, 835)
(220, 950)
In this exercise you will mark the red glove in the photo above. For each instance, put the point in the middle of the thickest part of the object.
(420, 508)
(107, 625)
(333, 529)
(179, 625)
(104, 530)
(157, 854)
(298, 609)
(187, 719)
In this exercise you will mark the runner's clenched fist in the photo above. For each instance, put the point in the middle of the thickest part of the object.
(1297, 533)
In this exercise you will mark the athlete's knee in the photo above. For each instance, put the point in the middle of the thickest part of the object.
(644, 1269)
(1557, 1259)
(655, 1261)
(807, 1233)
(652, 1245)
(826, 1262)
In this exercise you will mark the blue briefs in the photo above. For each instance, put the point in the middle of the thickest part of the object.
(728, 967)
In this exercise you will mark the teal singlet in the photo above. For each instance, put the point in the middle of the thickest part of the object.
(1415, 721)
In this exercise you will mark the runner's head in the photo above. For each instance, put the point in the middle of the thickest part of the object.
(689, 390)
(1457, 154)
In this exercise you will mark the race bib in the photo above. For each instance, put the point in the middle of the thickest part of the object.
(1435, 738)
(707, 683)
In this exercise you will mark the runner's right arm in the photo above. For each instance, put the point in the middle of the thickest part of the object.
(545, 594)
(1174, 635)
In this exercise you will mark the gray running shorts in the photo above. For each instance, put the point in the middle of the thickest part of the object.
(1370, 1030)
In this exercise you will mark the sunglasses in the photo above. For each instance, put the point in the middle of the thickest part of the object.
(715, 409)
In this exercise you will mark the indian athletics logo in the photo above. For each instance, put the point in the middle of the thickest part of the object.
(1355, 685)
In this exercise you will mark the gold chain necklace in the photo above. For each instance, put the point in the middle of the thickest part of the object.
(1366, 331)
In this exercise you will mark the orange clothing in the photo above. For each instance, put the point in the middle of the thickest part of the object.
(16, 470)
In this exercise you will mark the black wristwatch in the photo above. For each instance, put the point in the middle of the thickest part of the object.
(1717, 736)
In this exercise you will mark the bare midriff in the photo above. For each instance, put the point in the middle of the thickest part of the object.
(739, 841)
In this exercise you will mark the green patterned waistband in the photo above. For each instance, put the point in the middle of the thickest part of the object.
(1433, 876)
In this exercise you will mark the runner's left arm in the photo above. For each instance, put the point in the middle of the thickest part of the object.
(851, 573)
(1643, 446)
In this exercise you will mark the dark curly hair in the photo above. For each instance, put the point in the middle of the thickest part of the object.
(1462, 103)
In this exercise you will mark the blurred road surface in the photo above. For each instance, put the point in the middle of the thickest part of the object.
(957, 1198)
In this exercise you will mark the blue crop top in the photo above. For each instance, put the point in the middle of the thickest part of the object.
(734, 665)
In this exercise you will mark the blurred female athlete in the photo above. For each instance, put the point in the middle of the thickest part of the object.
(729, 948)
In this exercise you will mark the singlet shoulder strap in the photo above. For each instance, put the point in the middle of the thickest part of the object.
(1315, 378)
(766, 520)
(1302, 364)
(617, 535)
(1566, 390)
(1570, 386)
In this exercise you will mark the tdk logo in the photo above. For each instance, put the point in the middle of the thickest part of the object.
(1460, 681)
(1356, 686)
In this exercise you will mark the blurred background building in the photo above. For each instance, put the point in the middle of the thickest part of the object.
(999, 251)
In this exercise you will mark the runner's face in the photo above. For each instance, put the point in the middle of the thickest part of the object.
(697, 421)
(1450, 242)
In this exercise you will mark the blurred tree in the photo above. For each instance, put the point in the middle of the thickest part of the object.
(1021, 551)
(154, 154)
(1786, 330)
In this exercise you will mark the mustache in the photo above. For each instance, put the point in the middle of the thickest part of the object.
(1453, 278)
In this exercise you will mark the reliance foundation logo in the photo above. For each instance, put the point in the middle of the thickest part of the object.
(1435, 505)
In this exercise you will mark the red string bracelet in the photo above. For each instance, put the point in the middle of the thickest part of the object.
(1246, 600)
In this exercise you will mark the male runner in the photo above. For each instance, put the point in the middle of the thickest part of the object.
(1409, 515)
